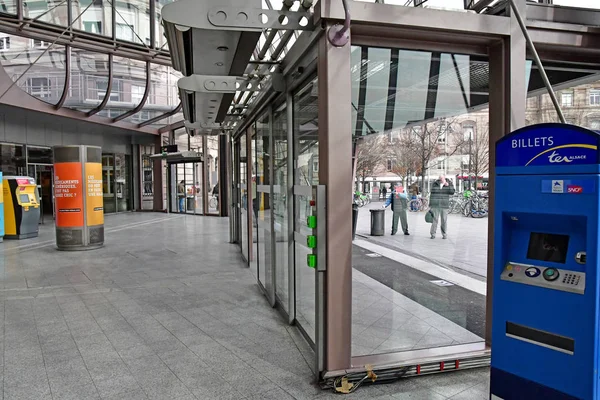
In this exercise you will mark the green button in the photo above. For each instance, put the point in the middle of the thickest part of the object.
(311, 221)
(549, 272)
(311, 241)
(311, 260)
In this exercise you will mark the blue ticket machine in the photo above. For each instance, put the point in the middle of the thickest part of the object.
(545, 342)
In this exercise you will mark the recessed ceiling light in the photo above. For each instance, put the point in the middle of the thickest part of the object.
(222, 48)
(219, 64)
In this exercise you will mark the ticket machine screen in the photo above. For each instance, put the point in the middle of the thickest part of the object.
(548, 247)
(24, 198)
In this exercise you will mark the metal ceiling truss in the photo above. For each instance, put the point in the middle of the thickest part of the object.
(213, 47)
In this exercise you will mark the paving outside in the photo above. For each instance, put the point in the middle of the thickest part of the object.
(465, 249)
(166, 310)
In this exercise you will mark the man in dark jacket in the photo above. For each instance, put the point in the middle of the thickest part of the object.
(440, 203)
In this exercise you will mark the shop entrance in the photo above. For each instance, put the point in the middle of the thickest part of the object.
(186, 188)
(43, 174)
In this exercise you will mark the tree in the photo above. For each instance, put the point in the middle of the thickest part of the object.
(432, 140)
(406, 162)
(478, 150)
(370, 153)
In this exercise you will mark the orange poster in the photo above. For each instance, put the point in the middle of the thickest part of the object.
(68, 194)
(94, 198)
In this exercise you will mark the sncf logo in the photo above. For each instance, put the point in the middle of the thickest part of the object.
(574, 189)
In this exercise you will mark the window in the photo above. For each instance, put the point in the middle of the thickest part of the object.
(595, 97)
(469, 132)
(391, 163)
(124, 32)
(566, 99)
(441, 164)
(102, 86)
(5, 43)
(391, 137)
(595, 124)
(39, 87)
(40, 43)
(137, 93)
(442, 129)
(92, 26)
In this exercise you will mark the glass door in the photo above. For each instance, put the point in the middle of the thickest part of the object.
(306, 174)
(186, 194)
(243, 196)
(263, 206)
(43, 178)
(108, 183)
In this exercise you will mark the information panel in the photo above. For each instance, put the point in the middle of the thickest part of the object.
(94, 199)
(68, 194)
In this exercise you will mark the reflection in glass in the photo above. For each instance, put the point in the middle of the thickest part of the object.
(243, 179)
(46, 79)
(129, 83)
(254, 204)
(92, 16)
(132, 21)
(123, 181)
(12, 159)
(263, 200)
(160, 38)
(46, 11)
(89, 80)
(411, 126)
(306, 173)
(280, 198)
(108, 183)
(39, 155)
(212, 173)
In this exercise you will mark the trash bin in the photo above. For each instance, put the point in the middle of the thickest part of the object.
(354, 219)
(191, 203)
(377, 222)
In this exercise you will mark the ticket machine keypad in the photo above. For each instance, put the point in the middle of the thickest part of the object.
(551, 278)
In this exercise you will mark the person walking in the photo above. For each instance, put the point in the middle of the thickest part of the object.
(441, 190)
(181, 195)
(399, 201)
(384, 192)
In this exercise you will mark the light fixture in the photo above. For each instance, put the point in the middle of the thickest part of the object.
(222, 48)
(219, 64)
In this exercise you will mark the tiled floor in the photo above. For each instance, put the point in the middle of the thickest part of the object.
(166, 310)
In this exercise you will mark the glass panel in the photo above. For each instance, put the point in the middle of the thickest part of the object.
(46, 11)
(39, 155)
(129, 84)
(263, 201)
(108, 183)
(440, 4)
(163, 96)
(46, 79)
(212, 173)
(8, 7)
(123, 181)
(133, 21)
(280, 213)
(244, 194)
(89, 80)
(92, 16)
(147, 177)
(416, 144)
(196, 144)
(578, 3)
(160, 39)
(12, 159)
(306, 173)
(255, 204)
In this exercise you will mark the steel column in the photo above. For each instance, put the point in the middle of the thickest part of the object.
(335, 172)
(290, 209)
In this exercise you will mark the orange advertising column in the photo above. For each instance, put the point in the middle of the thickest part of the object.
(78, 197)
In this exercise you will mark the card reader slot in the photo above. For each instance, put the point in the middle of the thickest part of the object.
(541, 338)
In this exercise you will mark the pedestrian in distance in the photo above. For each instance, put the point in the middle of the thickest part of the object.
(439, 203)
(384, 192)
(399, 201)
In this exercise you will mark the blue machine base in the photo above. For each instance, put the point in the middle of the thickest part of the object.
(511, 387)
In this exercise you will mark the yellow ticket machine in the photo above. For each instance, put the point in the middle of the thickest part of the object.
(21, 207)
